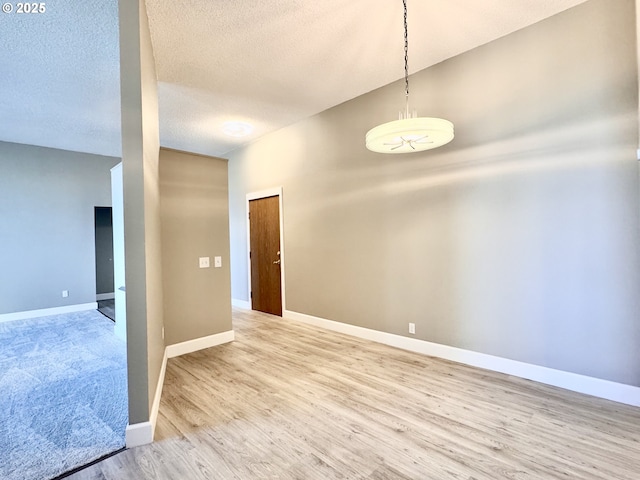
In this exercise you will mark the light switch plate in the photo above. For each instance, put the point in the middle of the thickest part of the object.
(204, 262)
(217, 262)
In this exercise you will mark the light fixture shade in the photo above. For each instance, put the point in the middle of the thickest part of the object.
(409, 135)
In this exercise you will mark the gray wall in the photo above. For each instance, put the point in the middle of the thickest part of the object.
(519, 239)
(47, 200)
(195, 223)
(140, 153)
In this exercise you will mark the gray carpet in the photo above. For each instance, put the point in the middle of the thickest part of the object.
(63, 394)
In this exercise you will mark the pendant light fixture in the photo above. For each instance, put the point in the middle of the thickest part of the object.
(409, 133)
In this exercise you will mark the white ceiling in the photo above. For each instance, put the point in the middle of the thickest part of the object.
(60, 76)
(267, 62)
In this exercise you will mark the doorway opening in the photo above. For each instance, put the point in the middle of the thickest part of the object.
(105, 295)
(266, 251)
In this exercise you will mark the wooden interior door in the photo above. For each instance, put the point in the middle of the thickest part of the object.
(264, 230)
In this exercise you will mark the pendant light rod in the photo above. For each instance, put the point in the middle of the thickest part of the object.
(406, 60)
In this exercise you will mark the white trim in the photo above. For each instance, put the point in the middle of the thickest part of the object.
(45, 312)
(105, 296)
(618, 392)
(138, 434)
(199, 344)
(241, 303)
(270, 192)
(155, 406)
(142, 433)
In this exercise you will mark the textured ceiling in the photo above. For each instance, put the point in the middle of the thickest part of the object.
(60, 76)
(273, 62)
(267, 62)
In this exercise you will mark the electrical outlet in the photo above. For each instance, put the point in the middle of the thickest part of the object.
(217, 262)
(65, 293)
(412, 328)
(204, 262)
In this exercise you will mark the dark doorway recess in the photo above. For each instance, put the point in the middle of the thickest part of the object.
(104, 260)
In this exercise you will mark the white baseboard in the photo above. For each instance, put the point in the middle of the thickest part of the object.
(142, 433)
(139, 434)
(155, 406)
(241, 303)
(199, 344)
(45, 312)
(617, 392)
(105, 296)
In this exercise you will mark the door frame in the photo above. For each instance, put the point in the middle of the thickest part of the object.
(119, 266)
(270, 192)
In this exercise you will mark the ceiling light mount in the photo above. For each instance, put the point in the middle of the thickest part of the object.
(237, 129)
(409, 133)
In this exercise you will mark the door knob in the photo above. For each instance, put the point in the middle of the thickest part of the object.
(277, 262)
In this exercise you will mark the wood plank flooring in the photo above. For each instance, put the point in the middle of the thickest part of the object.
(291, 401)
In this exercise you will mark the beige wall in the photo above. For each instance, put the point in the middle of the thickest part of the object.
(153, 234)
(140, 151)
(195, 223)
(519, 239)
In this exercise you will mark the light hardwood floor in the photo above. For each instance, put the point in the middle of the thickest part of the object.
(291, 401)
